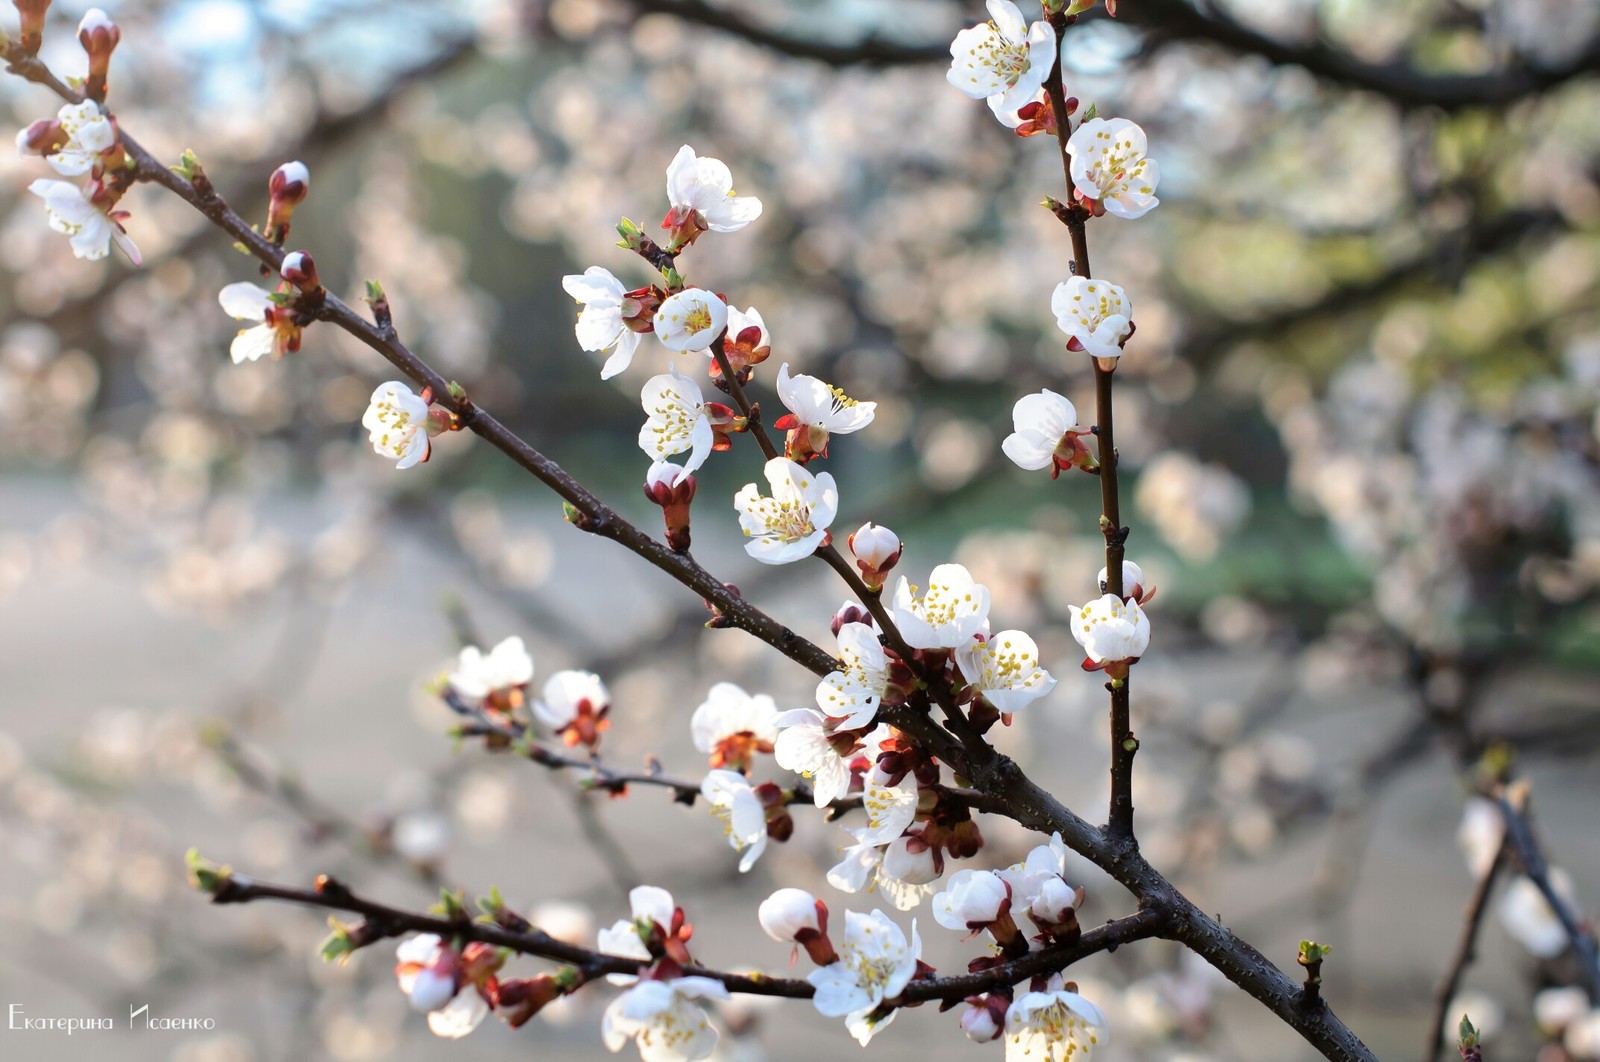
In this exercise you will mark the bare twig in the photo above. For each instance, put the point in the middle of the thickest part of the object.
(1466, 948)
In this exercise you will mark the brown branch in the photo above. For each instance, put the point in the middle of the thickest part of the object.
(383, 921)
(996, 776)
(1124, 745)
(1398, 82)
(684, 790)
(1466, 948)
(1524, 845)
(870, 52)
(1175, 21)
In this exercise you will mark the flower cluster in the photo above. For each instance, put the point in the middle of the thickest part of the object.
(573, 705)
(82, 140)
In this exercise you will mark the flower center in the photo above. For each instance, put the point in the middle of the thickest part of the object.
(699, 319)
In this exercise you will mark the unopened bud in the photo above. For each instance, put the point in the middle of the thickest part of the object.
(31, 14)
(985, 1018)
(99, 37)
(1133, 584)
(876, 550)
(44, 137)
(796, 915)
(522, 998)
(288, 187)
(299, 270)
(850, 612)
(671, 487)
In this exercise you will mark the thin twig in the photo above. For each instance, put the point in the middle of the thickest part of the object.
(383, 921)
(1521, 839)
(1466, 948)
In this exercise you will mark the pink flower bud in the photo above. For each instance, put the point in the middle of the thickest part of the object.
(299, 270)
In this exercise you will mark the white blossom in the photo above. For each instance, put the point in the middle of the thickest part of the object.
(1058, 1026)
(601, 325)
(876, 962)
(647, 905)
(690, 320)
(890, 808)
(1109, 166)
(90, 230)
(479, 674)
(1041, 421)
(1005, 669)
(910, 860)
(1528, 916)
(250, 302)
(744, 819)
(677, 421)
(573, 701)
(1028, 879)
(739, 320)
(397, 424)
(704, 187)
(430, 975)
(948, 615)
(1110, 629)
(89, 132)
(971, 899)
(803, 747)
(662, 1018)
(728, 711)
(793, 522)
(822, 407)
(1004, 60)
(851, 697)
(1095, 313)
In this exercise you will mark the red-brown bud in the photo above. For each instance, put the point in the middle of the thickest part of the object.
(522, 998)
(99, 37)
(31, 13)
(44, 137)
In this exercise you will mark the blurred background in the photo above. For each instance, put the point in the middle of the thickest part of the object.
(1359, 423)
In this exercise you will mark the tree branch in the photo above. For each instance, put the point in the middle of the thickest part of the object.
(1466, 949)
(383, 921)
